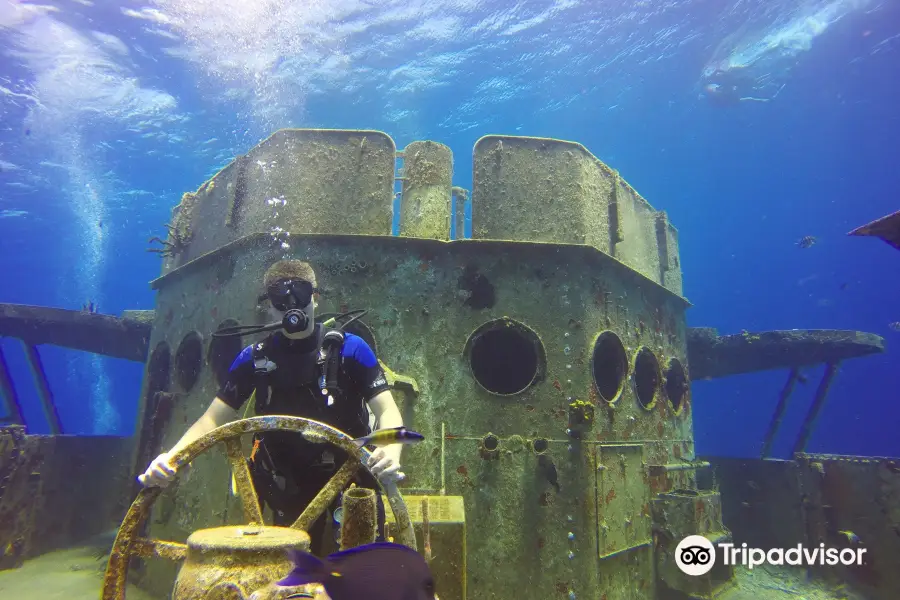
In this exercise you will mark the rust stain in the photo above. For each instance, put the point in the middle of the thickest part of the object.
(562, 587)
(544, 499)
(610, 496)
(676, 450)
(529, 408)
(660, 428)
(660, 483)
(343, 308)
(423, 266)
(540, 543)
(557, 385)
(700, 507)
(462, 470)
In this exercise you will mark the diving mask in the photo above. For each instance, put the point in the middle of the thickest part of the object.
(286, 294)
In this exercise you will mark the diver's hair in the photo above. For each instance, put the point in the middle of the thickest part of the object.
(289, 269)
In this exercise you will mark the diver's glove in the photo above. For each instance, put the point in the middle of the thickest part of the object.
(384, 467)
(160, 473)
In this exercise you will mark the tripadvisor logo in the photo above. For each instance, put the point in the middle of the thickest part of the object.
(695, 555)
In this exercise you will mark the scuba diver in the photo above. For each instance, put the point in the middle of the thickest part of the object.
(723, 87)
(303, 369)
(726, 95)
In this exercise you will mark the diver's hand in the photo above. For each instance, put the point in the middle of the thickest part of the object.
(384, 466)
(160, 473)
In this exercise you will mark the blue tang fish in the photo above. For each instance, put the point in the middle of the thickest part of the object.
(378, 571)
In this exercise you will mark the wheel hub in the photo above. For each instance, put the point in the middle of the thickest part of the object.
(230, 563)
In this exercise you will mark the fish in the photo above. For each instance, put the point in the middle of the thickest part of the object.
(806, 241)
(851, 537)
(377, 571)
(895, 326)
(386, 437)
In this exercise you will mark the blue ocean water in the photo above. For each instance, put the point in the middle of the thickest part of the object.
(111, 112)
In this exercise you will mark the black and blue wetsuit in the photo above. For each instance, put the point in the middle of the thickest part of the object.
(289, 471)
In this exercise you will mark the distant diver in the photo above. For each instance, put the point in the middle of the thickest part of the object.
(726, 87)
(727, 95)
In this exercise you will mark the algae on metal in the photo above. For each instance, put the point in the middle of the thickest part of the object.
(425, 198)
(420, 315)
(548, 190)
(426, 298)
(180, 232)
(359, 518)
(233, 562)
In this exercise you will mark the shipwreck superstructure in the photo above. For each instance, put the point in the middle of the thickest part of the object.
(546, 359)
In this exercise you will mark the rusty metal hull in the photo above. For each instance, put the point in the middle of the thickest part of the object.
(886, 228)
(81, 330)
(712, 355)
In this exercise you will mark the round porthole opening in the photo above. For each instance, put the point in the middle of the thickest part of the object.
(158, 378)
(505, 357)
(646, 377)
(609, 366)
(223, 350)
(676, 384)
(189, 360)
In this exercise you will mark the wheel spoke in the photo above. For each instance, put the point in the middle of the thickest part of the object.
(243, 480)
(146, 548)
(327, 494)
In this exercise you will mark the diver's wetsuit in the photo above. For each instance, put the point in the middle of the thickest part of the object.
(289, 471)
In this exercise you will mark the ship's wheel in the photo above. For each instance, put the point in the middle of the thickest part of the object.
(230, 563)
